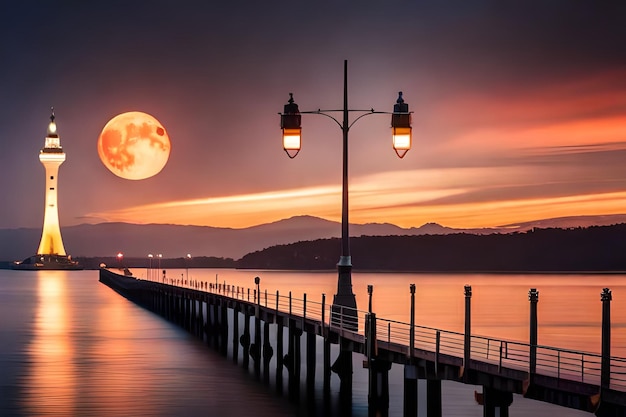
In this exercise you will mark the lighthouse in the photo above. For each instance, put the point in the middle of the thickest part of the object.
(51, 156)
(51, 253)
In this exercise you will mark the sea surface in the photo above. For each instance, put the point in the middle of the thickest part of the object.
(70, 346)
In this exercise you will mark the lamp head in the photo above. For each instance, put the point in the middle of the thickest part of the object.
(290, 121)
(52, 127)
(401, 127)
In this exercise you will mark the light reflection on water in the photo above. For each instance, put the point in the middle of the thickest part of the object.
(70, 346)
(83, 350)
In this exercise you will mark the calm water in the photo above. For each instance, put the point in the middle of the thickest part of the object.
(70, 346)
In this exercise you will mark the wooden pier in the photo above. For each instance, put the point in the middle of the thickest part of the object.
(595, 383)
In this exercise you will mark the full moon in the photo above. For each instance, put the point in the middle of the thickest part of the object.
(134, 145)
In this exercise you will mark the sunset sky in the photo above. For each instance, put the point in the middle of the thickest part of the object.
(519, 109)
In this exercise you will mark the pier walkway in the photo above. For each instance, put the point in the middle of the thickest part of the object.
(595, 383)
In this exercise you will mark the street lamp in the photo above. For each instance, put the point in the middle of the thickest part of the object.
(290, 122)
(292, 132)
(401, 127)
(257, 281)
(150, 267)
(120, 256)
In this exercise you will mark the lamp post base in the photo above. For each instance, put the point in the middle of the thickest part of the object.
(343, 310)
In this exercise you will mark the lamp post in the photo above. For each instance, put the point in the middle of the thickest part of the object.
(292, 142)
(187, 258)
(120, 256)
(150, 266)
(159, 256)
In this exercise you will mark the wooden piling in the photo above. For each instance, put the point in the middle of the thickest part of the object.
(223, 328)
(268, 352)
(310, 363)
(235, 340)
(216, 323)
(292, 360)
(327, 370)
(495, 399)
(245, 338)
(193, 322)
(433, 398)
(410, 390)
(279, 356)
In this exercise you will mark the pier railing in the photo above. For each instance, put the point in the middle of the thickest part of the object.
(560, 363)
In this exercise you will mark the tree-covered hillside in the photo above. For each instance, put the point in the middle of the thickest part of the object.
(598, 248)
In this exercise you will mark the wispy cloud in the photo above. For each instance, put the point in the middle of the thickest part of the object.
(366, 193)
(459, 197)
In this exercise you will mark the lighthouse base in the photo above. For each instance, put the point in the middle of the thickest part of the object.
(47, 262)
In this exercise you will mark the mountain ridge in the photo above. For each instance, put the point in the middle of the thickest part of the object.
(171, 240)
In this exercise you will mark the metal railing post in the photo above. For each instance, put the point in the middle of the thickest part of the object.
(412, 328)
(341, 315)
(323, 311)
(582, 368)
(533, 297)
(437, 347)
(467, 345)
(605, 372)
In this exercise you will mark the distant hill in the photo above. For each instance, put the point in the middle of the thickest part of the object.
(572, 221)
(173, 241)
(137, 240)
(593, 249)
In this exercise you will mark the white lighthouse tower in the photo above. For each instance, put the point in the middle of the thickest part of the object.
(51, 156)
(51, 253)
